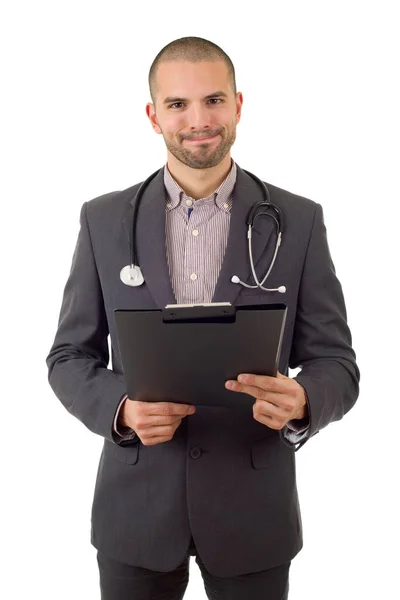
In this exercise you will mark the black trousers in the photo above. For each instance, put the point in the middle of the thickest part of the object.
(125, 582)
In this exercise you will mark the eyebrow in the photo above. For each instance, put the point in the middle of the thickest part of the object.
(172, 99)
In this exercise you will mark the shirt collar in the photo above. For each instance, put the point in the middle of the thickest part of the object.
(222, 195)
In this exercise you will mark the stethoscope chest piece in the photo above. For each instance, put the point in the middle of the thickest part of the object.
(131, 275)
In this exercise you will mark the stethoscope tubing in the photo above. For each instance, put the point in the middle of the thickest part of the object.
(254, 213)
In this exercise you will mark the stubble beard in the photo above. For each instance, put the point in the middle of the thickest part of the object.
(201, 157)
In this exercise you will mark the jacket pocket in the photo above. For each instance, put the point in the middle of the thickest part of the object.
(128, 454)
(270, 453)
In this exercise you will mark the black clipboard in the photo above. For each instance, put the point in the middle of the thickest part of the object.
(185, 353)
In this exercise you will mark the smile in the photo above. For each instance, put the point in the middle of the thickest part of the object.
(202, 140)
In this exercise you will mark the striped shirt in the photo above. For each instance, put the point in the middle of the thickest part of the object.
(196, 234)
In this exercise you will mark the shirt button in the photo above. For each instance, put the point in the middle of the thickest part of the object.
(193, 277)
(226, 205)
(195, 232)
(189, 202)
(169, 205)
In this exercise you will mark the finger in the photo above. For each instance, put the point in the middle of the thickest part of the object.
(159, 431)
(271, 408)
(271, 422)
(282, 402)
(271, 384)
(158, 420)
(158, 439)
(256, 392)
(169, 408)
(234, 386)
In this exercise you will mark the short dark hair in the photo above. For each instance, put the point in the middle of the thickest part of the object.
(192, 49)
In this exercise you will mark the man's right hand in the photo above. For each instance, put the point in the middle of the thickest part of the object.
(153, 422)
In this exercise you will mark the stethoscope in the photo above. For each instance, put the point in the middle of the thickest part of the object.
(132, 275)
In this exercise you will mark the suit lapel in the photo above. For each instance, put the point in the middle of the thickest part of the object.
(236, 261)
(150, 241)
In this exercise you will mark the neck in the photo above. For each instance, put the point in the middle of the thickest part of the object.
(199, 183)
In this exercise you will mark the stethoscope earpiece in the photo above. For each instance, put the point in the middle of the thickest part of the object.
(281, 289)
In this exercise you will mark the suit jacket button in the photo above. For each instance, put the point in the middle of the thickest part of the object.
(195, 452)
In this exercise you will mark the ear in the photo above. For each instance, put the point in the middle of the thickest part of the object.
(151, 113)
(239, 103)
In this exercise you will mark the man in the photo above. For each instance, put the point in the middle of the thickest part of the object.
(174, 480)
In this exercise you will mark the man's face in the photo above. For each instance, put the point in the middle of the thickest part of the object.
(193, 101)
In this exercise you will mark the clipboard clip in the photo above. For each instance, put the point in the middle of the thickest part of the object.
(222, 312)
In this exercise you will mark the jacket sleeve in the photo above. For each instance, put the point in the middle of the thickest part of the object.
(126, 433)
(78, 359)
(322, 340)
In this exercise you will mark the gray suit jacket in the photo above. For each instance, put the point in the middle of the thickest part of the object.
(224, 477)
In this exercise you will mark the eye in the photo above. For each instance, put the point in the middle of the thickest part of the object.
(212, 100)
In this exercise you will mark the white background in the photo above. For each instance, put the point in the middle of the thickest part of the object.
(321, 119)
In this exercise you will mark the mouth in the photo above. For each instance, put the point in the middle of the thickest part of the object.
(204, 140)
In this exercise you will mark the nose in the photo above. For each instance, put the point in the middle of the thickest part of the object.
(199, 118)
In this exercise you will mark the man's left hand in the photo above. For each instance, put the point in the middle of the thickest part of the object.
(278, 399)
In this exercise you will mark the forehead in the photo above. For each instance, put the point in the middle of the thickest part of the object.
(185, 78)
